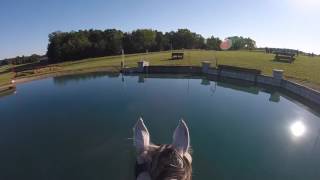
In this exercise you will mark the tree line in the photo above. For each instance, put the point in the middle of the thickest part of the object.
(22, 59)
(75, 45)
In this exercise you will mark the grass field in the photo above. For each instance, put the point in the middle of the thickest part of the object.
(304, 70)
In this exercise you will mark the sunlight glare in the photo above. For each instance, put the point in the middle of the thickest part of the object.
(306, 4)
(297, 128)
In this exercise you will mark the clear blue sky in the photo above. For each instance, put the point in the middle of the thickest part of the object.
(25, 24)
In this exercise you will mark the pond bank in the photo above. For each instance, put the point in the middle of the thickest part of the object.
(7, 89)
(64, 73)
(250, 75)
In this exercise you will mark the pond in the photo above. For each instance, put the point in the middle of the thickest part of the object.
(80, 127)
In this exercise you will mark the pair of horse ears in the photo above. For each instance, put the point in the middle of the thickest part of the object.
(180, 141)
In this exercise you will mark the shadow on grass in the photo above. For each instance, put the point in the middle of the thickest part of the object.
(281, 61)
(170, 59)
(24, 74)
(5, 71)
(31, 66)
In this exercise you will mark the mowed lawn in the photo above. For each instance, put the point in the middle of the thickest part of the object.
(5, 75)
(304, 70)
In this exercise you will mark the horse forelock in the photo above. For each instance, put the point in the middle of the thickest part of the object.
(167, 163)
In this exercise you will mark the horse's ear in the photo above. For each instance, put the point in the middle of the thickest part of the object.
(181, 139)
(141, 136)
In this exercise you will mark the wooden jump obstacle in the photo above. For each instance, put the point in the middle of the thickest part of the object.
(284, 56)
(175, 56)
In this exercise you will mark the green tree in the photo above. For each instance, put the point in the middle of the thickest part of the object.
(81, 44)
(213, 43)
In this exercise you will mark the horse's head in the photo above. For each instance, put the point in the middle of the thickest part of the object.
(163, 162)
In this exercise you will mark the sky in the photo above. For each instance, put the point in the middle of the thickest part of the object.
(26, 24)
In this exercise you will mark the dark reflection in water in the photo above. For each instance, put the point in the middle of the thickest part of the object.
(8, 92)
(79, 127)
(63, 80)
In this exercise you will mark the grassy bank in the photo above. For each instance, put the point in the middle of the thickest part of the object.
(304, 70)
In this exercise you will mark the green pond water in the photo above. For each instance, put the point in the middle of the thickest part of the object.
(80, 127)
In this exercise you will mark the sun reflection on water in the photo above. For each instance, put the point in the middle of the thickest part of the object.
(298, 128)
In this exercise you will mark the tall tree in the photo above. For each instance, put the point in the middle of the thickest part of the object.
(242, 43)
(213, 43)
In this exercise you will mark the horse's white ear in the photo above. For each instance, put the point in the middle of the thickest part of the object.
(141, 136)
(181, 139)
